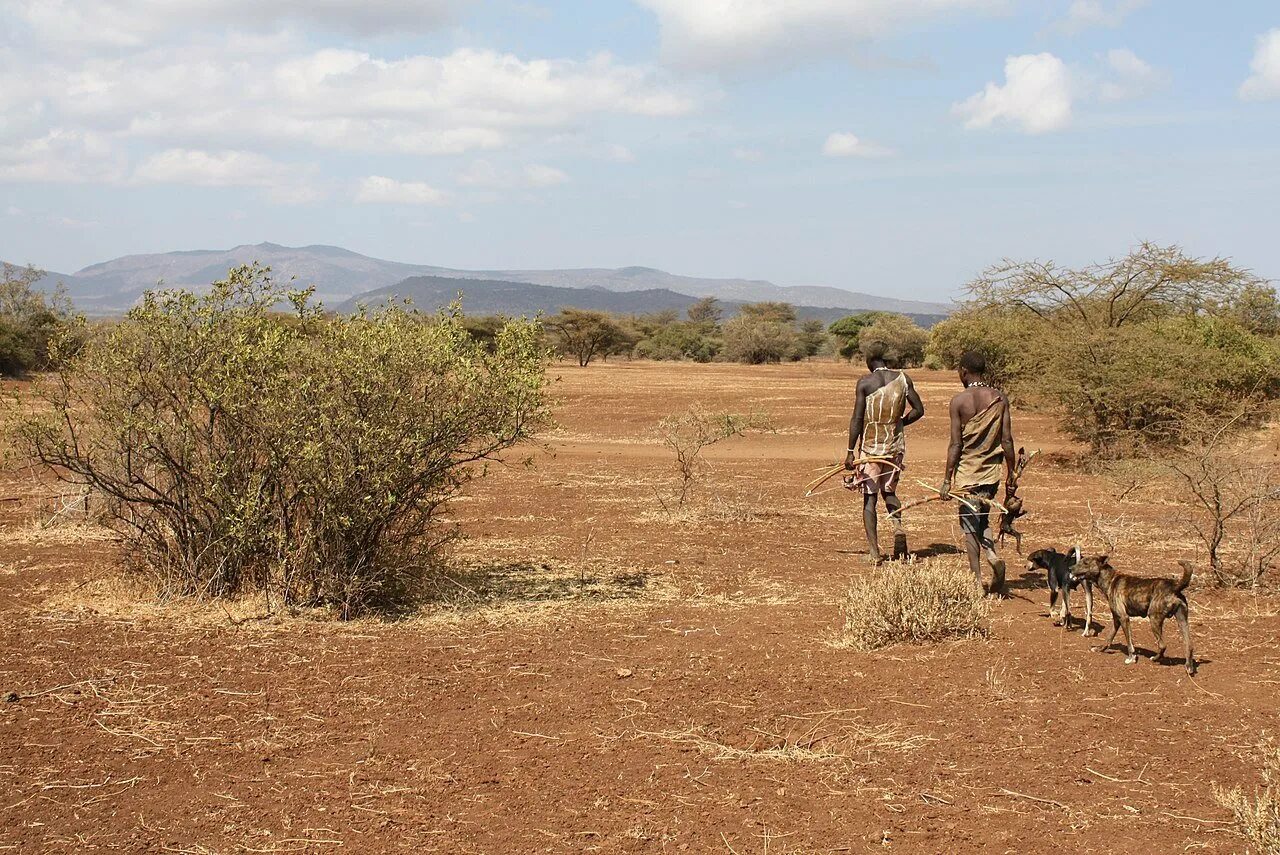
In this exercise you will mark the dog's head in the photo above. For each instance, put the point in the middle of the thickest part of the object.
(1042, 559)
(1091, 569)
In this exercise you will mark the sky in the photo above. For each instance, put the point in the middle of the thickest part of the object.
(895, 147)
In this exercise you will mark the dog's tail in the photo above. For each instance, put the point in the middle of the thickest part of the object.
(1187, 570)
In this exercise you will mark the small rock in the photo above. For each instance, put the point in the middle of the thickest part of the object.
(12, 697)
(623, 673)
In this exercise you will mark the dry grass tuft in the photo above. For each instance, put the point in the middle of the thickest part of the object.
(919, 603)
(1257, 815)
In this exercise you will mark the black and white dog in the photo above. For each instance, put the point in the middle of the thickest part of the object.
(1058, 566)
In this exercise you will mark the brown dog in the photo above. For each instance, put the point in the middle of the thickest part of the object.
(1138, 596)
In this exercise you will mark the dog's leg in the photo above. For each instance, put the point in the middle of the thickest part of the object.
(1053, 602)
(1115, 627)
(1088, 609)
(1131, 658)
(1066, 607)
(1157, 629)
(1183, 624)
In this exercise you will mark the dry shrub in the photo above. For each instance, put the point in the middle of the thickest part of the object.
(922, 603)
(1257, 815)
(691, 432)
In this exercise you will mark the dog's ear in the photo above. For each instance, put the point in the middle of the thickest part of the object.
(1105, 561)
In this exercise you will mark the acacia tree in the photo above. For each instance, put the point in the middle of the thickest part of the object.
(1134, 349)
(1151, 281)
(584, 334)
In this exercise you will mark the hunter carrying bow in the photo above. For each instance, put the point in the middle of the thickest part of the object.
(877, 447)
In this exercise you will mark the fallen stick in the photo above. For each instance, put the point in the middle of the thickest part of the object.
(1017, 795)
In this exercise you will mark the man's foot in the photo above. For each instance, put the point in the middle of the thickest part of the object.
(900, 547)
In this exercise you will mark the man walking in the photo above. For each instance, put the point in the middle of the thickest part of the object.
(980, 456)
(877, 446)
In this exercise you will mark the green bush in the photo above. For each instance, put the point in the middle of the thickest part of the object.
(32, 325)
(308, 459)
(847, 330)
(756, 339)
(999, 336)
(897, 338)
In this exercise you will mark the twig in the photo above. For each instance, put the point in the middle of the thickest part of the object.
(1018, 795)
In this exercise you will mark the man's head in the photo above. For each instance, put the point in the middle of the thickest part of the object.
(875, 353)
(973, 367)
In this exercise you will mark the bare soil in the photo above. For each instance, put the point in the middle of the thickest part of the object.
(601, 675)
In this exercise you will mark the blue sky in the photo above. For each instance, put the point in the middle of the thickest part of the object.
(890, 146)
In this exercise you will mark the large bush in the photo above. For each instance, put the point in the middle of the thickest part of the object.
(306, 457)
(846, 331)
(897, 338)
(763, 333)
(31, 322)
(1001, 336)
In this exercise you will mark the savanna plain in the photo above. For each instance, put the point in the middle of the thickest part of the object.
(602, 671)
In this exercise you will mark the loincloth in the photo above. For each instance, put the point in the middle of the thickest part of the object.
(876, 476)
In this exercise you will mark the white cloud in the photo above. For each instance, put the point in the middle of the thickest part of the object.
(748, 155)
(136, 23)
(851, 145)
(1090, 14)
(539, 175)
(208, 168)
(727, 33)
(621, 154)
(1264, 83)
(196, 97)
(1129, 77)
(286, 184)
(483, 174)
(377, 189)
(1036, 96)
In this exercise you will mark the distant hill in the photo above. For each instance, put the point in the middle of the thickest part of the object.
(339, 274)
(514, 299)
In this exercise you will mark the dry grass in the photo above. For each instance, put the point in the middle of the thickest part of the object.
(833, 738)
(919, 603)
(1257, 815)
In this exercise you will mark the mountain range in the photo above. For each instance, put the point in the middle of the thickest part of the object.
(343, 278)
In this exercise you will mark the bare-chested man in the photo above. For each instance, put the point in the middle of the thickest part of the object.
(876, 431)
(980, 457)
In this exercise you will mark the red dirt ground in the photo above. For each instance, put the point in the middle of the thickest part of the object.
(608, 677)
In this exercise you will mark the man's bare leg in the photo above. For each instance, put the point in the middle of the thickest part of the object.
(973, 550)
(871, 524)
(894, 504)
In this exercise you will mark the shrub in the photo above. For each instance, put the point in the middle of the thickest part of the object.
(896, 337)
(307, 459)
(753, 340)
(31, 323)
(679, 340)
(1257, 816)
(921, 603)
(847, 329)
(691, 432)
(999, 336)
